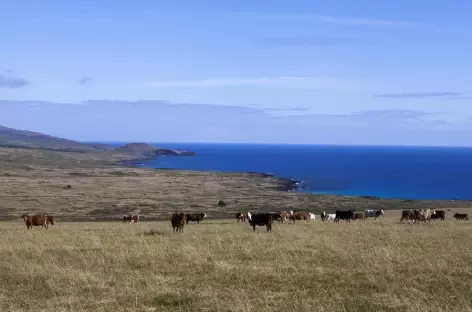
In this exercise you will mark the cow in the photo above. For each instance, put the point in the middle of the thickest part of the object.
(277, 216)
(261, 219)
(178, 221)
(196, 217)
(407, 215)
(327, 216)
(285, 216)
(440, 214)
(323, 215)
(347, 215)
(49, 220)
(312, 216)
(426, 214)
(35, 220)
(371, 213)
(241, 216)
(359, 216)
(461, 216)
(299, 215)
(131, 219)
(415, 215)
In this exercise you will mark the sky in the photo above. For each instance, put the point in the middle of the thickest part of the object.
(239, 71)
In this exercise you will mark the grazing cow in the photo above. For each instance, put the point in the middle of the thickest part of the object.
(347, 215)
(440, 214)
(407, 215)
(415, 215)
(327, 216)
(131, 219)
(277, 216)
(359, 216)
(461, 216)
(241, 216)
(35, 220)
(285, 216)
(178, 221)
(49, 220)
(426, 214)
(299, 215)
(261, 219)
(196, 217)
(323, 215)
(312, 216)
(371, 213)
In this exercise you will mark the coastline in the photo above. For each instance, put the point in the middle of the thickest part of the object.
(284, 184)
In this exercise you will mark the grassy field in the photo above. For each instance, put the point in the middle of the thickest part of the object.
(224, 266)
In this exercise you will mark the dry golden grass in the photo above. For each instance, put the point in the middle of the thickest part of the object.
(224, 266)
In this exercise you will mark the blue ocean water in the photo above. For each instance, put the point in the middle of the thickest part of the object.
(388, 172)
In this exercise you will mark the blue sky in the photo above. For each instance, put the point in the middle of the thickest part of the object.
(260, 71)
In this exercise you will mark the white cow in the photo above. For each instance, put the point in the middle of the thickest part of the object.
(327, 216)
(312, 216)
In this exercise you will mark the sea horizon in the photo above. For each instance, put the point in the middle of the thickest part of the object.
(162, 144)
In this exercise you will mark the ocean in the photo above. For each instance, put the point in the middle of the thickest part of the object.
(388, 172)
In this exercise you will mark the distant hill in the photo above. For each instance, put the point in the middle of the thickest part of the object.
(14, 138)
(27, 139)
(149, 150)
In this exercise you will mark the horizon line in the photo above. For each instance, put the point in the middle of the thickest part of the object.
(280, 144)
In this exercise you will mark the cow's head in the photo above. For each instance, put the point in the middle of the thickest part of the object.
(24, 216)
(51, 220)
(381, 212)
(204, 215)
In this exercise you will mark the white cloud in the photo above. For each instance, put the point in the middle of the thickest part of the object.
(337, 20)
(277, 82)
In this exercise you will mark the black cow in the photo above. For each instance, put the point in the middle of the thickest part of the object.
(261, 219)
(440, 214)
(178, 221)
(461, 216)
(414, 215)
(344, 215)
(277, 216)
(196, 217)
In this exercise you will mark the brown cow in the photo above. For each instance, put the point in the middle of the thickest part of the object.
(178, 221)
(299, 215)
(285, 216)
(131, 218)
(35, 220)
(49, 220)
(359, 216)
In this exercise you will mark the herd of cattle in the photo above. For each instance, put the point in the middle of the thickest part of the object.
(178, 220)
(415, 215)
